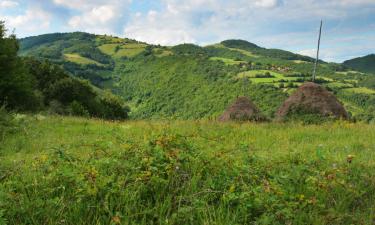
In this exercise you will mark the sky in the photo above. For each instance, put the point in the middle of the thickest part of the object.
(348, 29)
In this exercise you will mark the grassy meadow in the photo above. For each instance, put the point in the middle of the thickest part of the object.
(67, 170)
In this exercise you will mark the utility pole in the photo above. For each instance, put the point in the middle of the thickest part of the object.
(317, 52)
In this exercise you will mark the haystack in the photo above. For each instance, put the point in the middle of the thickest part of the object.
(312, 98)
(242, 110)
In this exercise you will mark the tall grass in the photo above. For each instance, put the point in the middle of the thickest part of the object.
(61, 170)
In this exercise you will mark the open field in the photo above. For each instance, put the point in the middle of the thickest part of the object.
(227, 61)
(362, 90)
(63, 170)
(277, 76)
(75, 58)
(121, 50)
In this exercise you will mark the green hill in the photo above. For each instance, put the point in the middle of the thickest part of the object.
(364, 64)
(188, 81)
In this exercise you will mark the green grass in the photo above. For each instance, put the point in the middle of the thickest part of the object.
(61, 170)
(361, 90)
(159, 52)
(299, 61)
(245, 52)
(75, 58)
(252, 73)
(108, 49)
(124, 50)
(339, 85)
(227, 61)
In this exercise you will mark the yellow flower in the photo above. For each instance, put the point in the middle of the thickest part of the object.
(43, 158)
(232, 188)
(116, 220)
(350, 158)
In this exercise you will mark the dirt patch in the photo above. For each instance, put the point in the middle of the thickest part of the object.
(312, 98)
(242, 110)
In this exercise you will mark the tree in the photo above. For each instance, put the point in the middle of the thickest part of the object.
(16, 84)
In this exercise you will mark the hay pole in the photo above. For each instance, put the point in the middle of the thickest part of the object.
(317, 52)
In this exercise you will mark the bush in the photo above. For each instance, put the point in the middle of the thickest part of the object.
(77, 109)
(113, 107)
(55, 107)
(7, 122)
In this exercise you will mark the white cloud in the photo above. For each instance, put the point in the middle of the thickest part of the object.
(87, 5)
(8, 4)
(285, 24)
(97, 16)
(267, 3)
(31, 22)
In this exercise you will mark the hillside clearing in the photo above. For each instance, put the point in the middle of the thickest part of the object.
(78, 59)
(227, 61)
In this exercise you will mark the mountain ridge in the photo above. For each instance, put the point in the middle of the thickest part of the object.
(227, 42)
(189, 81)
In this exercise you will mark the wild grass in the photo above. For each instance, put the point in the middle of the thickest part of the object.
(361, 90)
(276, 76)
(227, 61)
(75, 58)
(63, 170)
(122, 50)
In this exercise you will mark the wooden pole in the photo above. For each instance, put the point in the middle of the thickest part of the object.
(317, 52)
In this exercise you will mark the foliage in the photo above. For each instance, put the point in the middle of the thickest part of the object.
(29, 84)
(77, 171)
(189, 81)
(364, 64)
(16, 86)
(273, 53)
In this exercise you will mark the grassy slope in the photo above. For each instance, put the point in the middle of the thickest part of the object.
(75, 58)
(94, 172)
(186, 78)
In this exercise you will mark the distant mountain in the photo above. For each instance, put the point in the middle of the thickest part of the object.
(189, 81)
(364, 64)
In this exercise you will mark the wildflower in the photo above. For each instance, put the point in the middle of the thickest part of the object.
(312, 201)
(92, 174)
(266, 186)
(232, 188)
(350, 158)
(43, 158)
(116, 220)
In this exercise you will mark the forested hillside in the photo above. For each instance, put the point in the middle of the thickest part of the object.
(191, 82)
(364, 64)
(31, 85)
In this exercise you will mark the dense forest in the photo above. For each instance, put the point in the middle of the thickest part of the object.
(32, 85)
(364, 64)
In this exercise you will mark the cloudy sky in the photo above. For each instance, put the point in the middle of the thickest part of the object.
(349, 25)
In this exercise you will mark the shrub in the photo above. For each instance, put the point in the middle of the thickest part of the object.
(55, 107)
(113, 107)
(7, 122)
(77, 109)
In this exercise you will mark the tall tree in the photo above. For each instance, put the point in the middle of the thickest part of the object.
(16, 85)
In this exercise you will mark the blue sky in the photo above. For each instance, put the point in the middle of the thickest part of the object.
(349, 25)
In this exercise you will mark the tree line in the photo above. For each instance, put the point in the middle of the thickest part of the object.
(30, 85)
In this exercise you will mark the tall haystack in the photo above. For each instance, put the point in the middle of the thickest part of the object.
(242, 110)
(312, 98)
